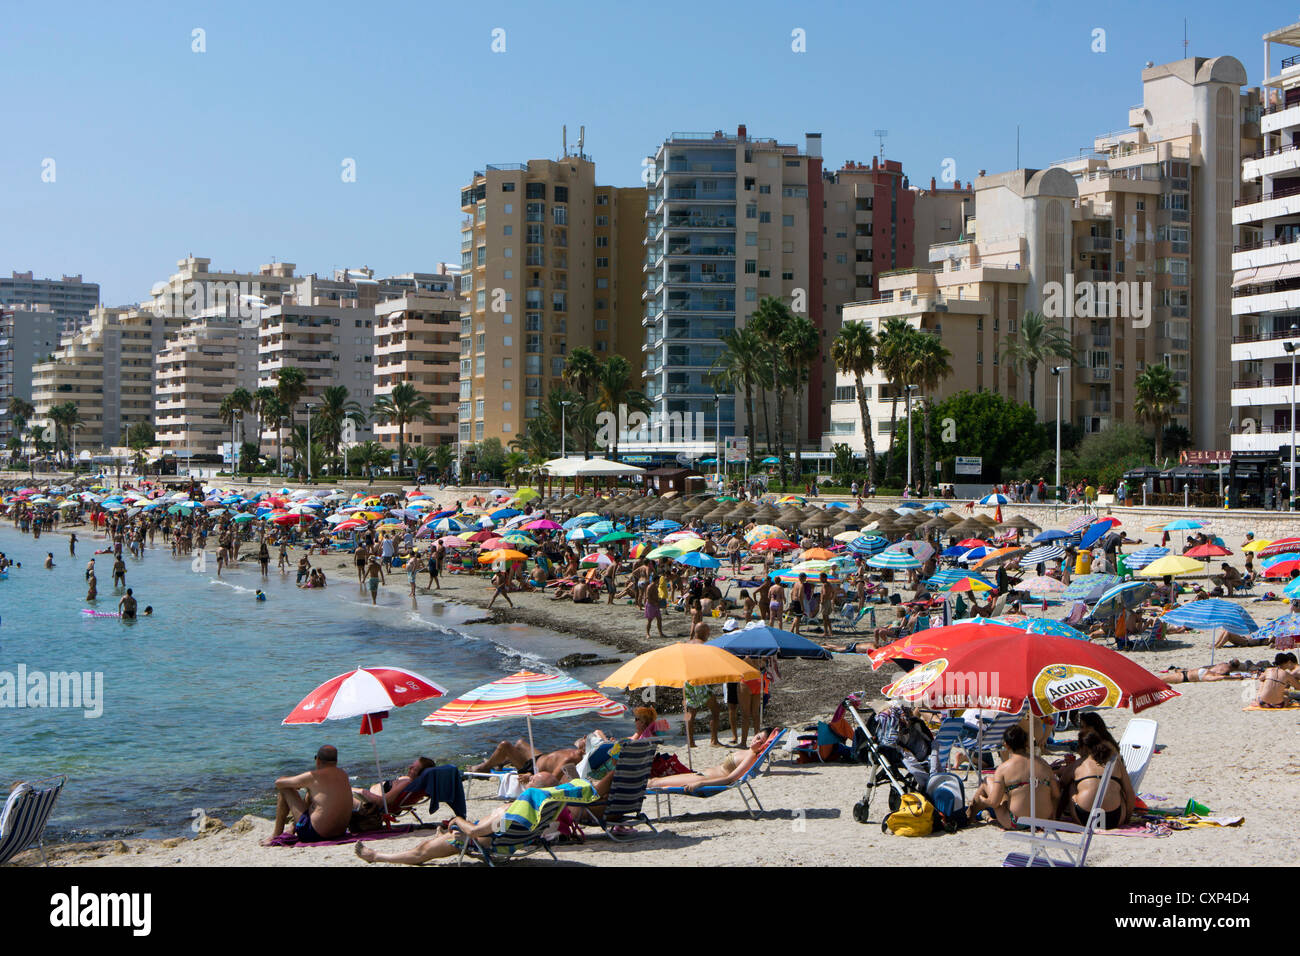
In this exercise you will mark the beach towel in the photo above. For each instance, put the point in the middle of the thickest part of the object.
(290, 839)
(527, 810)
(1289, 705)
(442, 785)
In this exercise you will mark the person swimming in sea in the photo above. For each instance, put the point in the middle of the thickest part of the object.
(260, 595)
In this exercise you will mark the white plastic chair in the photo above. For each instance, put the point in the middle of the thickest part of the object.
(1054, 843)
(1136, 747)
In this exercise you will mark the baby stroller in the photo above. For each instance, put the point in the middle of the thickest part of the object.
(895, 748)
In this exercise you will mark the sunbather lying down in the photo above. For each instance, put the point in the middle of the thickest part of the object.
(732, 768)
(1224, 670)
(389, 792)
(527, 761)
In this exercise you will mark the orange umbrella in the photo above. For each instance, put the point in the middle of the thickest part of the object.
(818, 554)
(491, 557)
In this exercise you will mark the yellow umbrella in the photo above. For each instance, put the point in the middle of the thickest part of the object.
(677, 664)
(1172, 564)
(526, 494)
(505, 554)
(1257, 545)
(666, 551)
(686, 544)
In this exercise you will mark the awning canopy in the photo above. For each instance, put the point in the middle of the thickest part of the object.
(588, 468)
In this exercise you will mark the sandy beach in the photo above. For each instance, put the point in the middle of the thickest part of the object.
(1236, 762)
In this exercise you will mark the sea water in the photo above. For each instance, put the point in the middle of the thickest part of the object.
(193, 696)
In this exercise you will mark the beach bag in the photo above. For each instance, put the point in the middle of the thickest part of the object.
(667, 765)
(914, 817)
(567, 829)
(368, 819)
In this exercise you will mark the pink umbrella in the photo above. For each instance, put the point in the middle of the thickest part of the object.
(495, 544)
(368, 693)
(543, 525)
(451, 541)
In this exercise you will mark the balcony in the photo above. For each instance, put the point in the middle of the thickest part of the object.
(1093, 375)
(1270, 205)
(700, 222)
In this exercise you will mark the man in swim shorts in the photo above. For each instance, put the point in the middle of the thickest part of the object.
(324, 812)
(374, 577)
(127, 606)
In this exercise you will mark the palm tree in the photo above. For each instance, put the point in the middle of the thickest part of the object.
(929, 367)
(802, 347)
(536, 441)
(369, 455)
(443, 456)
(291, 386)
(238, 402)
(20, 413)
(1156, 394)
(261, 398)
(65, 417)
(769, 323)
(421, 458)
(558, 416)
(403, 405)
(614, 388)
(741, 368)
(854, 353)
(580, 373)
(1037, 342)
(892, 354)
(515, 464)
(335, 409)
(272, 409)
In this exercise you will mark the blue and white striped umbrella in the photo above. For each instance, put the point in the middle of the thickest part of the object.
(994, 500)
(1048, 552)
(906, 505)
(868, 544)
(1210, 613)
(582, 534)
(956, 551)
(580, 521)
(665, 524)
(1052, 534)
(974, 554)
(894, 561)
(1142, 557)
(1037, 625)
(447, 526)
(1128, 594)
(1089, 587)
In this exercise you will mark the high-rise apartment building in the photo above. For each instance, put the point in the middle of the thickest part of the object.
(1266, 282)
(417, 340)
(70, 298)
(546, 257)
(200, 364)
(27, 336)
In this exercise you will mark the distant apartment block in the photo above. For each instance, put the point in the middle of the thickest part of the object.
(27, 336)
(200, 364)
(70, 298)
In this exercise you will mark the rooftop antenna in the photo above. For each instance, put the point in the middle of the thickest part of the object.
(881, 134)
(564, 133)
(582, 139)
(1184, 38)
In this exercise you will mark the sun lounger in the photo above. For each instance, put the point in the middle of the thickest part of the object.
(1053, 843)
(438, 785)
(26, 813)
(988, 739)
(526, 822)
(740, 786)
(627, 790)
(1137, 747)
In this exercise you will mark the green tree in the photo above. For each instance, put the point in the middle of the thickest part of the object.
(237, 403)
(614, 388)
(842, 465)
(403, 405)
(491, 456)
(769, 323)
(536, 442)
(368, 456)
(272, 410)
(66, 417)
(443, 455)
(1155, 395)
(742, 367)
(802, 347)
(514, 465)
(335, 409)
(264, 398)
(1036, 342)
(893, 357)
(1000, 430)
(929, 367)
(1104, 456)
(854, 353)
(291, 386)
(557, 417)
(581, 372)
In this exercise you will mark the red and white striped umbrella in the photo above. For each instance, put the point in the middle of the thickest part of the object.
(368, 693)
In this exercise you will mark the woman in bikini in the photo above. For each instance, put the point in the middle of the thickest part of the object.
(1006, 793)
(1116, 804)
(732, 768)
(1275, 683)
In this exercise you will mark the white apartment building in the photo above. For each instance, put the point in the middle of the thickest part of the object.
(1266, 263)
(202, 363)
(27, 336)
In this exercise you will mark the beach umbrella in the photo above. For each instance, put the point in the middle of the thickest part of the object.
(1129, 594)
(924, 646)
(1282, 632)
(682, 536)
(921, 550)
(762, 641)
(1184, 524)
(368, 693)
(453, 541)
(941, 579)
(1211, 614)
(974, 554)
(994, 500)
(935, 507)
(1280, 566)
(814, 567)
(1080, 524)
(581, 534)
(696, 559)
(1041, 585)
(759, 532)
(894, 560)
(524, 694)
(596, 559)
(774, 544)
(1278, 546)
(616, 536)
(666, 551)
(665, 525)
(1207, 551)
(1041, 555)
(967, 584)
(999, 557)
(519, 540)
(770, 460)
(1089, 587)
(1094, 533)
(817, 554)
(1173, 564)
(639, 550)
(1142, 557)
(1047, 537)
(1259, 544)
(868, 544)
(504, 554)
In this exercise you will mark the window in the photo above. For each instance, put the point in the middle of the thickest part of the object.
(510, 208)
(480, 365)
(787, 275)
(535, 212)
(602, 221)
(602, 242)
(1141, 205)
(602, 283)
(506, 341)
(764, 190)
(505, 406)
(560, 215)
(506, 384)
(478, 431)
(841, 258)
(764, 217)
(751, 266)
(751, 294)
(979, 358)
(787, 247)
(602, 325)
(478, 408)
(480, 341)
(508, 231)
(751, 211)
(561, 194)
(792, 164)
(751, 238)
(845, 393)
(765, 273)
(602, 262)
(535, 191)
(787, 220)
(507, 187)
(602, 200)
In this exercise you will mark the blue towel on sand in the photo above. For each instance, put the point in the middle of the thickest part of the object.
(442, 784)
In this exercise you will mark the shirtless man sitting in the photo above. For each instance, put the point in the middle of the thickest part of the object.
(1277, 681)
(325, 811)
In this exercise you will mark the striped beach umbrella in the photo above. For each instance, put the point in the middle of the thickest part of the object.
(894, 561)
(1041, 555)
(942, 579)
(1282, 633)
(1280, 566)
(1210, 614)
(1128, 594)
(1041, 585)
(1078, 525)
(994, 500)
(1278, 546)
(525, 694)
(1036, 625)
(868, 544)
(1053, 534)
(1089, 587)
(1142, 557)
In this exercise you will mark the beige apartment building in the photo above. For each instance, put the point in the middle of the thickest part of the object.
(417, 340)
(1128, 249)
(545, 255)
(107, 369)
(202, 363)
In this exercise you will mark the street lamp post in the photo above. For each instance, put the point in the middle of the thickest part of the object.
(717, 439)
(234, 421)
(910, 389)
(281, 422)
(1056, 372)
(564, 408)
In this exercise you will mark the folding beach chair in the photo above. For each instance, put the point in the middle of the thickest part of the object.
(740, 786)
(1136, 747)
(526, 822)
(627, 790)
(950, 732)
(444, 779)
(1053, 843)
(26, 813)
(988, 739)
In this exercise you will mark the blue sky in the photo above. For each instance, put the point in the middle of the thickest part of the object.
(236, 153)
